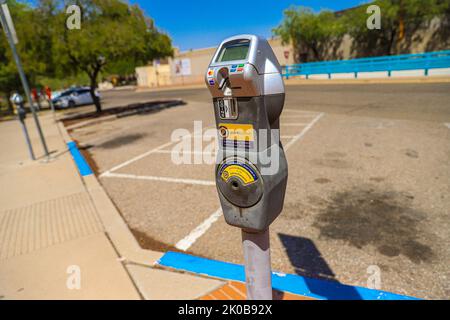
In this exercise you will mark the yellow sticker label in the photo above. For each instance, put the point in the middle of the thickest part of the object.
(242, 172)
(237, 132)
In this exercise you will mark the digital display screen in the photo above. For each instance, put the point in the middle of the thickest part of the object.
(234, 50)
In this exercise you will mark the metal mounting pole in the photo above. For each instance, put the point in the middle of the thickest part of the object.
(257, 265)
(25, 132)
(23, 78)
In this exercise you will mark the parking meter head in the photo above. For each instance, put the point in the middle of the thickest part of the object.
(244, 79)
(17, 99)
(253, 68)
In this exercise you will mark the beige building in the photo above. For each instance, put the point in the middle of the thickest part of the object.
(189, 67)
(156, 75)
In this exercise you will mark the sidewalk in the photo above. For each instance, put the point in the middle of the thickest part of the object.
(62, 238)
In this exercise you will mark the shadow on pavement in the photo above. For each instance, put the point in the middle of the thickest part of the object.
(309, 263)
(123, 111)
(121, 140)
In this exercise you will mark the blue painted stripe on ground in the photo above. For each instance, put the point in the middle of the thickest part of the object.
(309, 287)
(81, 163)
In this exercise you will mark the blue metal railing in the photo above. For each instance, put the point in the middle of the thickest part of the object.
(418, 61)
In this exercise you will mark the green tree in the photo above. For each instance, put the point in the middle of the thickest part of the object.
(114, 37)
(30, 49)
(306, 29)
(400, 19)
(9, 80)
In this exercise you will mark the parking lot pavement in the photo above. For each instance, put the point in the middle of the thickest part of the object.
(367, 190)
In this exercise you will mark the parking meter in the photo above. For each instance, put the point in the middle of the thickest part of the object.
(17, 100)
(244, 79)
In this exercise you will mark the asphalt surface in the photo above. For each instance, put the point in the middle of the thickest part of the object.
(368, 187)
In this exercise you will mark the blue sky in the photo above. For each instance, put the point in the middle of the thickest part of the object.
(196, 24)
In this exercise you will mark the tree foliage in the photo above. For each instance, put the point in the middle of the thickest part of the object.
(28, 26)
(114, 37)
(400, 19)
(305, 28)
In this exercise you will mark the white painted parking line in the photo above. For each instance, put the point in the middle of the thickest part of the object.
(189, 240)
(186, 152)
(155, 178)
(143, 155)
(200, 230)
(204, 136)
(303, 132)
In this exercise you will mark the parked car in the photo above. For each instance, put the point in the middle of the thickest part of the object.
(74, 97)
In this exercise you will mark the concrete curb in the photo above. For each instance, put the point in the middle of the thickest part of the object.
(284, 282)
(152, 283)
(116, 228)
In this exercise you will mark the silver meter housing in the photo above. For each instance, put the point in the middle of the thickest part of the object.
(250, 67)
(245, 81)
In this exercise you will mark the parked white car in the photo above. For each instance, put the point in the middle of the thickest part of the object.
(74, 97)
